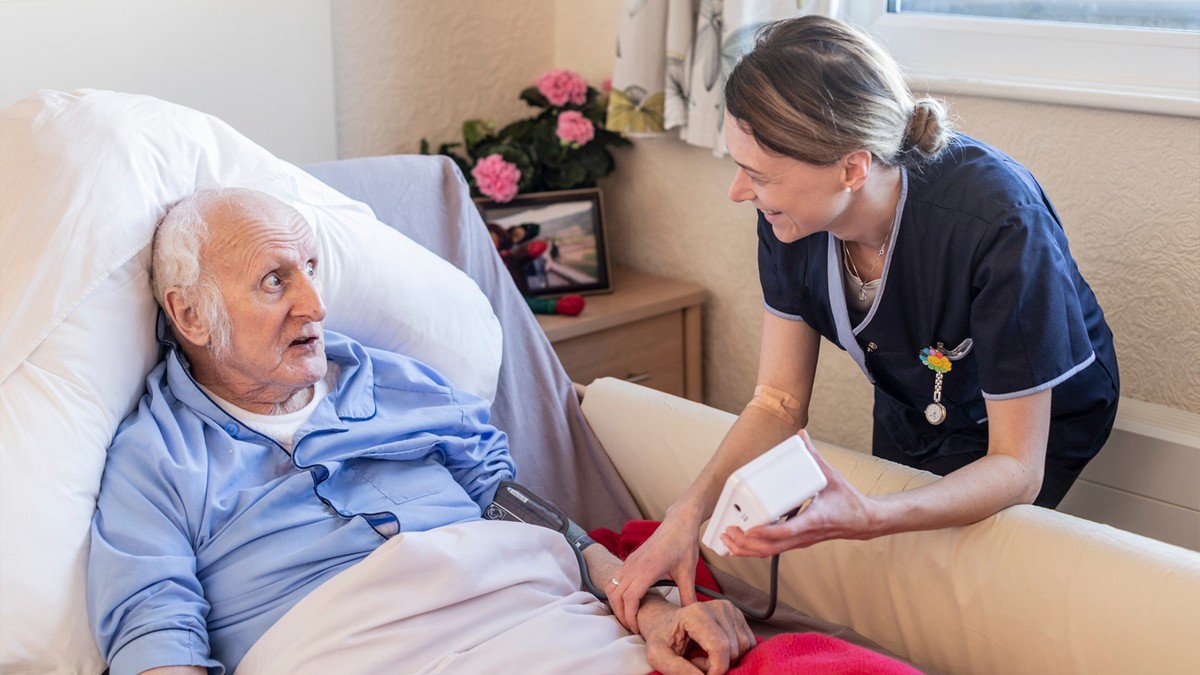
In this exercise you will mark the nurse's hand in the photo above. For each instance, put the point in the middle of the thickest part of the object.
(672, 551)
(839, 511)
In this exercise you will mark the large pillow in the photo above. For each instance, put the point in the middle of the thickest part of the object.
(84, 178)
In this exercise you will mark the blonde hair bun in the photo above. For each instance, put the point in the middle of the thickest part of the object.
(928, 130)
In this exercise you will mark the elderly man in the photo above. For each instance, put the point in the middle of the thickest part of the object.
(269, 456)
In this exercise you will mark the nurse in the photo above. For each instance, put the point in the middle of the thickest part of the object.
(937, 263)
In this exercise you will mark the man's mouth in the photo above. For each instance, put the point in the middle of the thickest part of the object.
(304, 341)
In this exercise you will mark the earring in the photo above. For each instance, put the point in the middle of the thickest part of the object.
(849, 189)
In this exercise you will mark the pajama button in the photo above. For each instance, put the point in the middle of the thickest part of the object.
(231, 429)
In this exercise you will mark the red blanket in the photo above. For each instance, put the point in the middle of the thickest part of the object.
(782, 654)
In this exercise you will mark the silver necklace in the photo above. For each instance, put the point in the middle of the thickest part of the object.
(862, 281)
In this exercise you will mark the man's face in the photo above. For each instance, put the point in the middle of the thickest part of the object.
(264, 264)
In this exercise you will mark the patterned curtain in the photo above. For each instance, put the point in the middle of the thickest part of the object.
(673, 57)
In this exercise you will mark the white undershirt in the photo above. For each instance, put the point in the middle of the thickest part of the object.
(281, 428)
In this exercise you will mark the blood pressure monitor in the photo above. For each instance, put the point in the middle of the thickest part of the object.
(765, 489)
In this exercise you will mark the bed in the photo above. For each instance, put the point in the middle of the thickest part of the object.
(87, 174)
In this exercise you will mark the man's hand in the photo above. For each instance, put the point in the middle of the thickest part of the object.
(715, 626)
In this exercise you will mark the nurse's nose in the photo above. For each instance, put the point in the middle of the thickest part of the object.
(740, 190)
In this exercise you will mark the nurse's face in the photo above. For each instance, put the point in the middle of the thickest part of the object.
(796, 197)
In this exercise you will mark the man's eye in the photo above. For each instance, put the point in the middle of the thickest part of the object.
(272, 280)
(310, 269)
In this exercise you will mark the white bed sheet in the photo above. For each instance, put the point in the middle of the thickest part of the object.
(478, 597)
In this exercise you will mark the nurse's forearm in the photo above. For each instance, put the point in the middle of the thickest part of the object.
(754, 432)
(968, 495)
(1011, 473)
(786, 367)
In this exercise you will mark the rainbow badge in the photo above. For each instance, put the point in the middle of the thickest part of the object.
(935, 360)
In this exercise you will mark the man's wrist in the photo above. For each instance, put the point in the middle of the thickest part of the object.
(653, 610)
(581, 542)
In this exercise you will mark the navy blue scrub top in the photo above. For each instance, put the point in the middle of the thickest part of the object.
(977, 252)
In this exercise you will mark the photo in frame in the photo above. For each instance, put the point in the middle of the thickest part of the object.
(552, 242)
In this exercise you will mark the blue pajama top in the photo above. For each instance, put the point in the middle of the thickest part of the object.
(977, 252)
(207, 532)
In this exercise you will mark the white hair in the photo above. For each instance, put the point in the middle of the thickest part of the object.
(178, 244)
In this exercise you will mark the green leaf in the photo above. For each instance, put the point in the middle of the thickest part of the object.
(595, 161)
(612, 138)
(533, 97)
(518, 131)
(475, 131)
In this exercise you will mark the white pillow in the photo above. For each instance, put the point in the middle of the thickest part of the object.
(86, 176)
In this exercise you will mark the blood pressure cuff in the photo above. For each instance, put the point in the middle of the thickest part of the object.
(518, 503)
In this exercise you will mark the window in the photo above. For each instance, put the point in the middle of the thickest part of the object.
(1163, 14)
(1124, 54)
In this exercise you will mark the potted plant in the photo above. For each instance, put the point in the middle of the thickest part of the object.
(564, 146)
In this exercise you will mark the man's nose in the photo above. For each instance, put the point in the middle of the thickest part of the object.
(309, 304)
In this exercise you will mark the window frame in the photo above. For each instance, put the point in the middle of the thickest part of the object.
(1133, 69)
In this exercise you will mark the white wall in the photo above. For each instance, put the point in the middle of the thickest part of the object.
(265, 67)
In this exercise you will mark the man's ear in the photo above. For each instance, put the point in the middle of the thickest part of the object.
(184, 318)
(856, 166)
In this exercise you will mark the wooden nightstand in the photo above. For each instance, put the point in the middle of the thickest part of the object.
(647, 331)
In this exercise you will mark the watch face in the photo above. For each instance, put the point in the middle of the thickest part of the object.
(935, 413)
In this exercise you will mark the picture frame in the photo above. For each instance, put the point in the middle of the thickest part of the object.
(566, 253)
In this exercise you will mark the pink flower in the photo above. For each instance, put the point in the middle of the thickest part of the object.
(574, 129)
(563, 86)
(496, 178)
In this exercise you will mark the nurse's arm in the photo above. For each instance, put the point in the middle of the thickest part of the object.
(787, 364)
(1011, 473)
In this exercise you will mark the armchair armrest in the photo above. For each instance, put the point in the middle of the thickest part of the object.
(1028, 590)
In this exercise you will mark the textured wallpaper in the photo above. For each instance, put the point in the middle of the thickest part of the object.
(412, 69)
(1127, 186)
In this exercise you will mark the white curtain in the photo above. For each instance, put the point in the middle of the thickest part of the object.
(673, 57)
